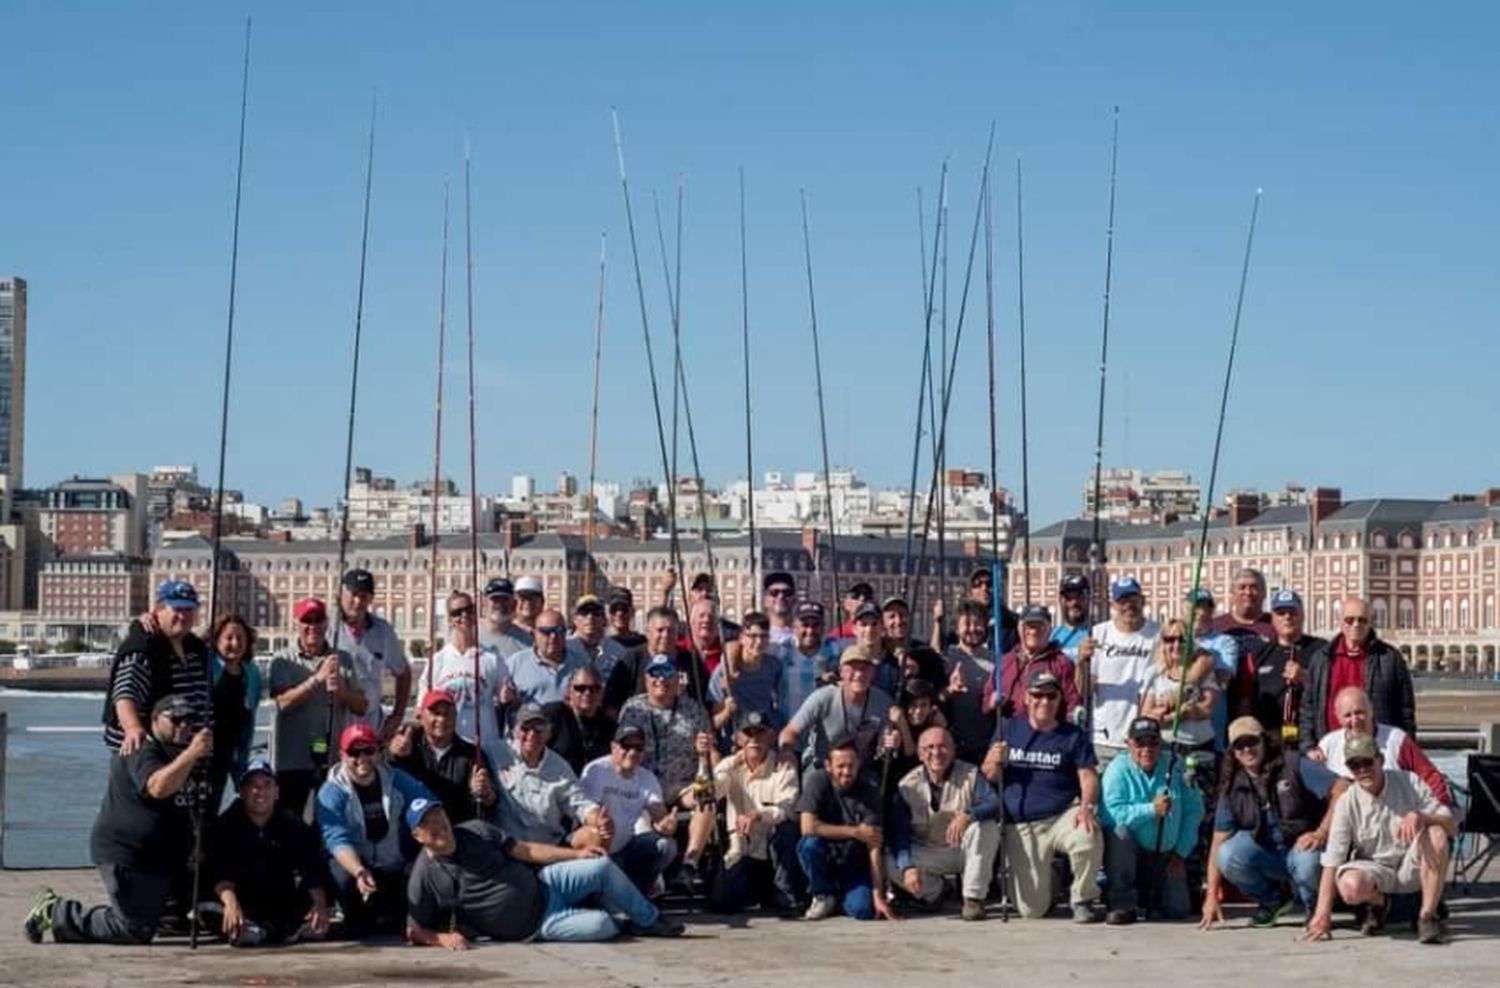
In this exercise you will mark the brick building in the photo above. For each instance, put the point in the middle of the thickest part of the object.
(92, 594)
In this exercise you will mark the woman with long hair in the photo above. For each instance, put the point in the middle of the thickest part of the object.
(236, 696)
(1264, 842)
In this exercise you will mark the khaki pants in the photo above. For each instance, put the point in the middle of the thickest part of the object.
(973, 860)
(1029, 848)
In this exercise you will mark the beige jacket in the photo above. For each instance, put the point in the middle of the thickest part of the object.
(772, 791)
(928, 827)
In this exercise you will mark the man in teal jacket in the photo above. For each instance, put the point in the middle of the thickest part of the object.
(1138, 805)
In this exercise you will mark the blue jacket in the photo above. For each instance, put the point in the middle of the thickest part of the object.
(342, 820)
(1128, 792)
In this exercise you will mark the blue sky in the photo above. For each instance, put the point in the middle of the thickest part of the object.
(1368, 346)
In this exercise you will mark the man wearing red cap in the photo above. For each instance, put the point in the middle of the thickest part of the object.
(311, 686)
(362, 813)
(432, 752)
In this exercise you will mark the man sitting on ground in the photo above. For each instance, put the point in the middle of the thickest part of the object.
(841, 837)
(271, 880)
(540, 799)
(632, 796)
(1046, 767)
(473, 881)
(1390, 835)
(944, 824)
(760, 799)
(451, 768)
(581, 728)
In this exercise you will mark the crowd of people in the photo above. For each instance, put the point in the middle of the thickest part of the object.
(558, 776)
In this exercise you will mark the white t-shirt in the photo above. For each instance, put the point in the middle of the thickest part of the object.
(626, 799)
(1387, 738)
(454, 672)
(1121, 666)
(376, 648)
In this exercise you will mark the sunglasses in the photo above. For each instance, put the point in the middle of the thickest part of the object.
(780, 592)
(179, 718)
(586, 688)
(1147, 742)
(1171, 640)
(362, 751)
(633, 746)
(663, 675)
(1359, 764)
(552, 629)
(1246, 744)
(1355, 622)
(461, 612)
(532, 727)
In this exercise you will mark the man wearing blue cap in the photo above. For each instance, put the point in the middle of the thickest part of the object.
(270, 878)
(159, 657)
(1269, 687)
(1118, 656)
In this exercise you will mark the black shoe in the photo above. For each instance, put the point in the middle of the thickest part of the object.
(688, 881)
(663, 927)
(1374, 921)
(1119, 917)
(1267, 913)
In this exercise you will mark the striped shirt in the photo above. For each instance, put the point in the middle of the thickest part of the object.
(133, 683)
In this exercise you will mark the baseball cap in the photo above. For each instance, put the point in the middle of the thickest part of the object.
(1034, 614)
(179, 594)
(893, 602)
(1144, 728)
(436, 696)
(661, 666)
(529, 584)
(754, 721)
(869, 609)
(359, 581)
(1286, 600)
(1125, 586)
(620, 597)
(357, 733)
(856, 653)
(176, 704)
(310, 610)
(1244, 727)
(1360, 746)
(629, 732)
(528, 713)
(419, 808)
(1200, 596)
(777, 576)
(980, 573)
(588, 604)
(499, 587)
(862, 590)
(810, 610)
(1043, 681)
(256, 765)
(1077, 583)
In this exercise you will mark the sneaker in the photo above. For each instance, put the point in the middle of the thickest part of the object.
(821, 907)
(39, 920)
(250, 935)
(663, 927)
(1374, 921)
(687, 878)
(1267, 913)
(1084, 913)
(973, 910)
(1429, 929)
(1119, 917)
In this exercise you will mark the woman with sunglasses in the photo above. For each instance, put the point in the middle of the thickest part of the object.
(1263, 810)
(1184, 709)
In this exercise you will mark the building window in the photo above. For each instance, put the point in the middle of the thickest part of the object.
(1463, 614)
(1447, 615)
(1406, 614)
(1379, 613)
(1429, 616)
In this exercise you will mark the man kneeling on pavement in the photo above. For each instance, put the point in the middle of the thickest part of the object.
(841, 838)
(1389, 836)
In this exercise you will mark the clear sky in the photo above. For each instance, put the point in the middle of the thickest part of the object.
(1369, 342)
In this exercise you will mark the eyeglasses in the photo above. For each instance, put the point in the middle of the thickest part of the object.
(1359, 764)
(586, 687)
(461, 612)
(1246, 744)
(1356, 621)
(363, 751)
(552, 629)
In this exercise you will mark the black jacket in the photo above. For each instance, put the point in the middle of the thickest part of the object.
(272, 868)
(627, 678)
(1387, 680)
(577, 740)
(160, 657)
(1297, 809)
(447, 777)
(1260, 689)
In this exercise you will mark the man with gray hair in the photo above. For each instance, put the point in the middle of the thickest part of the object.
(1246, 620)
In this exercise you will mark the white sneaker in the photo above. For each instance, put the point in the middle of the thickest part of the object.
(821, 907)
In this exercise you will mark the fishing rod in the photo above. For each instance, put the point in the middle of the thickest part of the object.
(640, 291)
(593, 501)
(437, 439)
(952, 367)
(200, 809)
(359, 320)
(1213, 474)
(924, 378)
(674, 551)
(812, 308)
(745, 335)
(1096, 547)
(939, 453)
(674, 297)
(1025, 432)
(473, 444)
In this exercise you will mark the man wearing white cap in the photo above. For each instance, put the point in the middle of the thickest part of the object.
(531, 598)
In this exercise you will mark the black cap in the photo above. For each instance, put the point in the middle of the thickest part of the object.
(176, 704)
(753, 721)
(980, 573)
(1077, 583)
(868, 609)
(894, 601)
(777, 576)
(499, 587)
(810, 610)
(620, 597)
(1042, 681)
(1143, 728)
(629, 732)
(861, 590)
(1034, 614)
(359, 581)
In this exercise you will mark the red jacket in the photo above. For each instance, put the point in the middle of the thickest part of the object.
(1014, 674)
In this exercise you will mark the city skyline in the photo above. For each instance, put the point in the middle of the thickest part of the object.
(1365, 144)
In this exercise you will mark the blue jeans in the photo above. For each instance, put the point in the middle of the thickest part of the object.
(644, 857)
(1259, 872)
(571, 882)
(844, 873)
(1127, 863)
